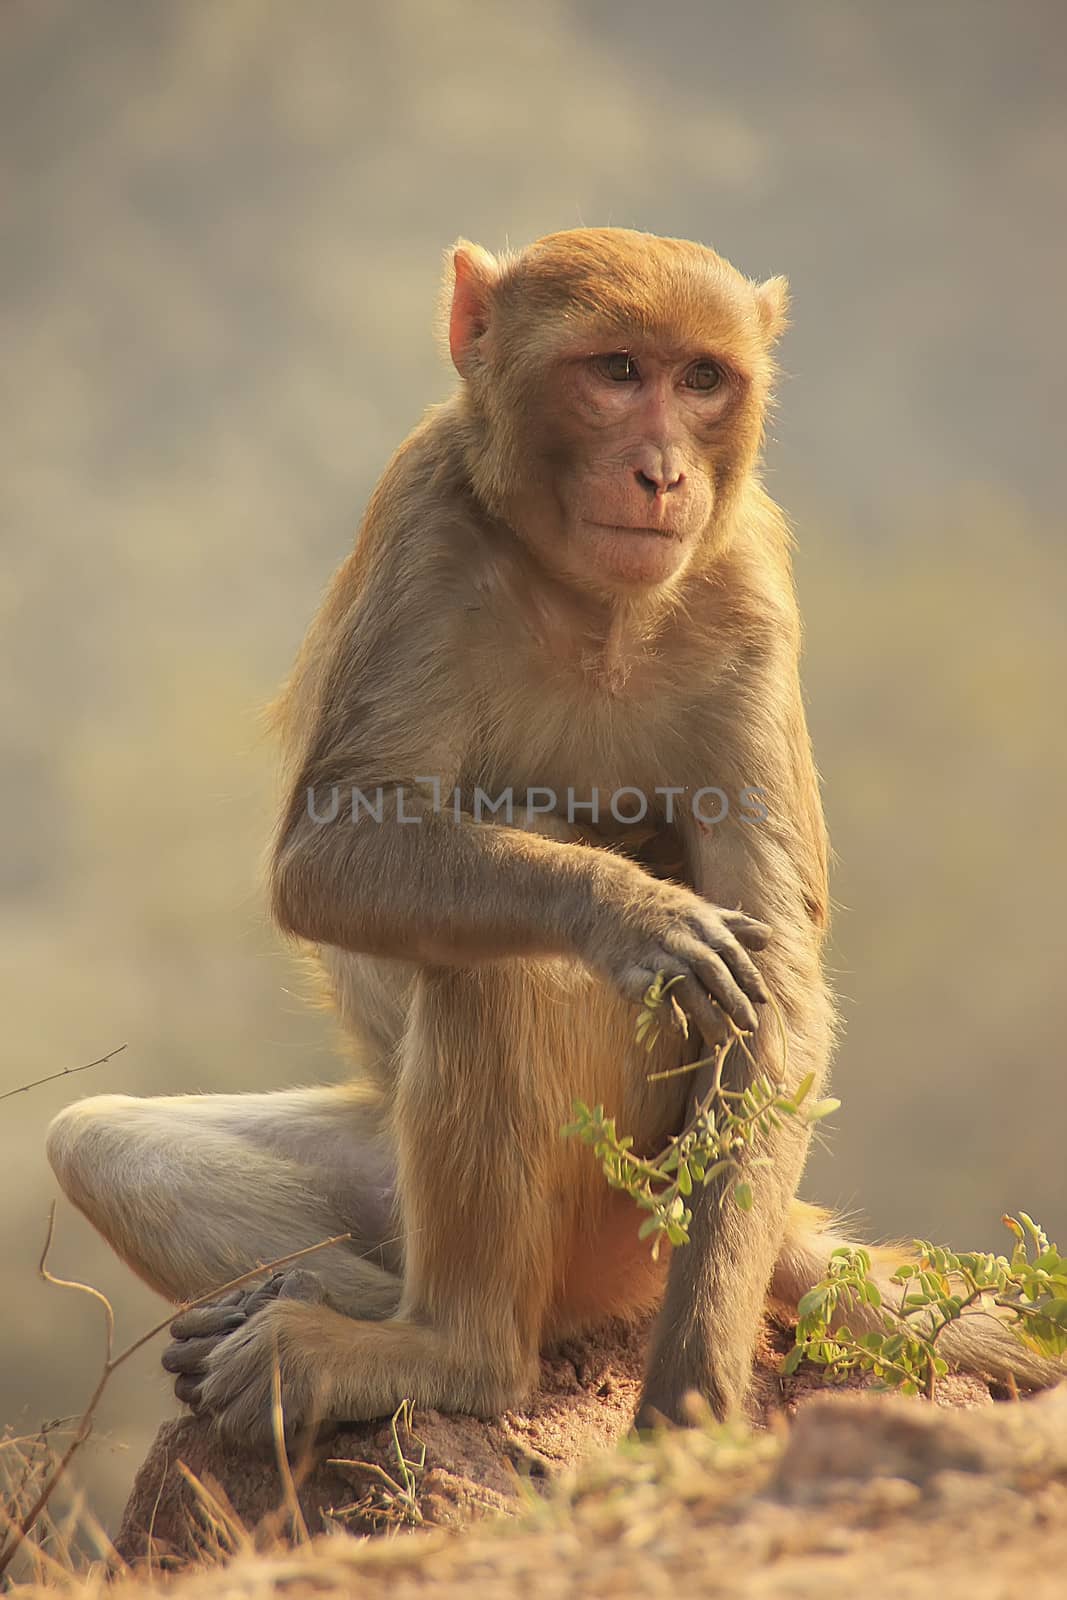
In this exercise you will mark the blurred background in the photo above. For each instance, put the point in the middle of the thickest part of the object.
(222, 228)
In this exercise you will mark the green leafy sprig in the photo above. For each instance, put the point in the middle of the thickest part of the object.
(719, 1140)
(1027, 1291)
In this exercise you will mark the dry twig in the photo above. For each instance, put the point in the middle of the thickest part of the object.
(23, 1525)
(68, 1072)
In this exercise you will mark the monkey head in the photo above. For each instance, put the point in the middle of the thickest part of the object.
(615, 390)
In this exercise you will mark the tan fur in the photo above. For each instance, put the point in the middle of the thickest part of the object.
(496, 626)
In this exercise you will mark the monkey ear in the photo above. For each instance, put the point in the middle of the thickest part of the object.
(772, 304)
(474, 273)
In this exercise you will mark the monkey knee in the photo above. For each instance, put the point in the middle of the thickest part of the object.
(81, 1142)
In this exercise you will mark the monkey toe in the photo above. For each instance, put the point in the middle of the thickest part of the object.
(218, 1316)
(232, 1311)
(200, 1331)
(299, 1284)
(207, 1322)
(187, 1389)
(188, 1355)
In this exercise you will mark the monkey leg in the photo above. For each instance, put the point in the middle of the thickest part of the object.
(496, 1208)
(718, 1283)
(193, 1190)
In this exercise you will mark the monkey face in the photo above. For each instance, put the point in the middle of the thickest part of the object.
(618, 385)
(623, 483)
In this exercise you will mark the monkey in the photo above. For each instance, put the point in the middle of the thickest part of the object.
(570, 582)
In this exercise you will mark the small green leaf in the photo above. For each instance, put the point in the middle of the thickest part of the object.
(803, 1088)
(811, 1302)
(716, 1171)
(823, 1108)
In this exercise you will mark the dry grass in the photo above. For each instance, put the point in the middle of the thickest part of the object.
(32, 1469)
(64, 1539)
(620, 1500)
(929, 1503)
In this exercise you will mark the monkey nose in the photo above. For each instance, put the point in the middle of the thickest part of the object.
(658, 481)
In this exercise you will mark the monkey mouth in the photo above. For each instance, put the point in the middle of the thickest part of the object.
(632, 554)
(634, 527)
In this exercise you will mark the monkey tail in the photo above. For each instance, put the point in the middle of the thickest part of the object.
(981, 1344)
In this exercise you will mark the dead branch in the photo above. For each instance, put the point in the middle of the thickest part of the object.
(24, 1525)
(68, 1072)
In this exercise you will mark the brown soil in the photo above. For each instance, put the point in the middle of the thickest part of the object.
(354, 1480)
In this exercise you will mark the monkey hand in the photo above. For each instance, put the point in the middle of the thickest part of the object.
(200, 1333)
(669, 932)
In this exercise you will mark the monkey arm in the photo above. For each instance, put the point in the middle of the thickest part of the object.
(387, 709)
(436, 891)
(396, 877)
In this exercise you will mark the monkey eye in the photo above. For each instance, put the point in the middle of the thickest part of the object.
(619, 367)
(705, 376)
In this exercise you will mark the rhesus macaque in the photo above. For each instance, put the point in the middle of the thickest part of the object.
(570, 583)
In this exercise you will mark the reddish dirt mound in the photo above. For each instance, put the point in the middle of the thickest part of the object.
(585, 1400)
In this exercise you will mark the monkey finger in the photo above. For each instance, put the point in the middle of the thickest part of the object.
(699, 1008)
(714, 973)
(747, 930)
(636, 980)
(742, 968)
(188, 1355)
